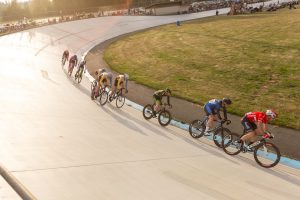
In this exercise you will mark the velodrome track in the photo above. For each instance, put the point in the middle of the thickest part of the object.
(59, 144)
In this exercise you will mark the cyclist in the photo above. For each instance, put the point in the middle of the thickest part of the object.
(99, 72)
(256, 123)
(65, 56)
(73, 62)
(212, 110)
(158, 95)
(81, 68)
(121, 81)
(103, 81)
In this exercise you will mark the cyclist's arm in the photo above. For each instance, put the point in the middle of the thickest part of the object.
(219, 115)
(225, 113)
(168, 99)
(126, 84)
(260, 127)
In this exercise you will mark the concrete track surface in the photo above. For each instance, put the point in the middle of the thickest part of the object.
(60, 145)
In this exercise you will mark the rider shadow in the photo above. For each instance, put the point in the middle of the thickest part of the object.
(45, 75)
(286, 195)
(283, 176)
(77, 85)
(214, 152)
(123, 120)
(278, 174)
(143, 124)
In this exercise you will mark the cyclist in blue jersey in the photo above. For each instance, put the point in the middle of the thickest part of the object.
(212, 110)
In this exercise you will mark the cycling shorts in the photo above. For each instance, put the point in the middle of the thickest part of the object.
(248, 126)
(157, 99)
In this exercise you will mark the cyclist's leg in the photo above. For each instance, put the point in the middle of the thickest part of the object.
(211, 118)
(158, 104)
(249, 129)
(81, 71)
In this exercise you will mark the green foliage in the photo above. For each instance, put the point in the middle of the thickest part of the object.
(254, 59)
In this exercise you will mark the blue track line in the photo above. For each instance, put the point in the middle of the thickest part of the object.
(283, 160)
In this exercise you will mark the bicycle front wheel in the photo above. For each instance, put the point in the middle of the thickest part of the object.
(218, 136)
(197, 128)
(148, 112)
(103, 98)
(230, 143)
(164, 118)
(267, 155)
(120, 101)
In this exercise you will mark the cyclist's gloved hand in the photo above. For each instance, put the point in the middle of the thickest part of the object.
(228, 122)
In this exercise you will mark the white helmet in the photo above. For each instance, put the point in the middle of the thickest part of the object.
(271, 113)
(101, 70)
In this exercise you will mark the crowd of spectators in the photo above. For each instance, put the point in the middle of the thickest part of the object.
(239, 8)
(218, 4)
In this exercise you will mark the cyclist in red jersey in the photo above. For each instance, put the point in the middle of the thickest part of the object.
(256, 123)
(66, 54)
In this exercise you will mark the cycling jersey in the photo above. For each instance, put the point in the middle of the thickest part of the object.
(119, 82)
(103, 78)
(213, 107)
(82, 65)
(257, 117)
(66, 54)
(73, 59)
(159, 94)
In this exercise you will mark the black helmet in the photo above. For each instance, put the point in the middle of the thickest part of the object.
(227, 100)
(168, 90)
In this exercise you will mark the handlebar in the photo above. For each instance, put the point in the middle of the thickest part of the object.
(268, 134)
(225, 121)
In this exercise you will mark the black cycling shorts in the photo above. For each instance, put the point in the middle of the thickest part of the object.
(248, 126)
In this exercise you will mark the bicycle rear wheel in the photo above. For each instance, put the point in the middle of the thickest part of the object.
(164, 118)
(197, 128)
(230, 143)
(103, 98)
(267, 155)
(148, 111)
(120, 101)
(218, 136)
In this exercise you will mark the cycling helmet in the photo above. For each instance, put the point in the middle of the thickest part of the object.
(102, 70)
(168, 90)
(271, 113)
(227, 100)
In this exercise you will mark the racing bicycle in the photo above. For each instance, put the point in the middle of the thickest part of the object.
(265, 153)
(78, 75)
(118, 96)
(197, 129)
(164, 116)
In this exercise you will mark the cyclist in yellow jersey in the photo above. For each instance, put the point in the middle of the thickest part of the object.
(121, 81)
(104, 80)
(158, 95)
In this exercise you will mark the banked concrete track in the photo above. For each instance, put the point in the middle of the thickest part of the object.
(60, 145)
